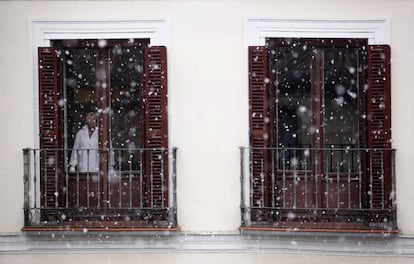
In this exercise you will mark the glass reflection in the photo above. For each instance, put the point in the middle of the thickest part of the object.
(126, 109)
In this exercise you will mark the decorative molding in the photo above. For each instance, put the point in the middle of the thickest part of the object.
(279, 243)
(45, 30)
(376, 30)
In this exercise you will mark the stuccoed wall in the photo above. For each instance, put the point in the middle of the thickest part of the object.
(208, 90)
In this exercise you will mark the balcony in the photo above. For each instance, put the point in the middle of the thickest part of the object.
(338, 188)
(131, 189)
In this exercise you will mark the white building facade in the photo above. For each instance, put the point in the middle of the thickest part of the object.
(193, 194)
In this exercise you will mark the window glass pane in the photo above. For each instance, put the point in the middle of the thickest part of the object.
(126, 92)
(80, 89)
(341, 113)
(293, 112)
(341, 119)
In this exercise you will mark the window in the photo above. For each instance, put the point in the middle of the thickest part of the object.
(320, 135)
(121, 179)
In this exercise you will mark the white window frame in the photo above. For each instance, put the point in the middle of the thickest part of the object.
(376, 30)
(42, 32)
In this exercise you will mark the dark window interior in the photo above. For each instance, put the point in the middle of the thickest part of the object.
(114, 91)
(306, 108)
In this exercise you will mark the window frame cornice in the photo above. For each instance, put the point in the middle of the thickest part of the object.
(376, 30)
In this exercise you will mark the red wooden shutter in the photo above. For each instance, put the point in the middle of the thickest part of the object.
(50, 127)
(379, 126)
(156, 126)
(259, 124)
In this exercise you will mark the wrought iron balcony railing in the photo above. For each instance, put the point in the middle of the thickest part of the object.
(346, 188)
(122, 188)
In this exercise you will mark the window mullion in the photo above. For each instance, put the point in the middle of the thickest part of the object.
(102, 86)
(317, 118)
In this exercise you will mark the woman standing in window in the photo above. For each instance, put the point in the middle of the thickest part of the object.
(85, 149)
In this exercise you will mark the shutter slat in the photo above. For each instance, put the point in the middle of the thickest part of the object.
(156, 125)
(379, 124)
(259, 127)
(49, 126)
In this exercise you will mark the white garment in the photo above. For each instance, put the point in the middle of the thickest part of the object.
(85, 151)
